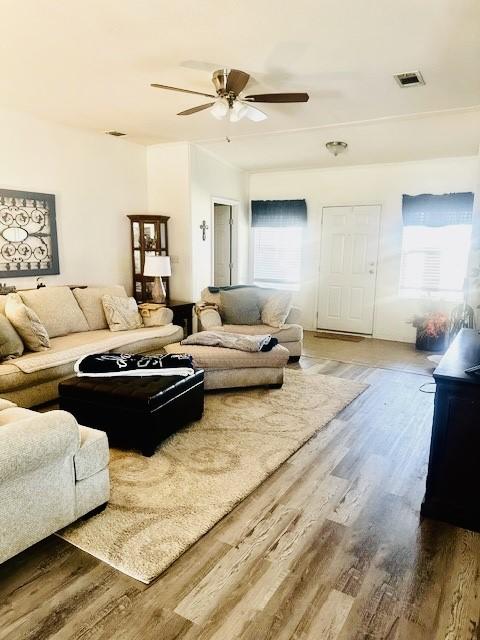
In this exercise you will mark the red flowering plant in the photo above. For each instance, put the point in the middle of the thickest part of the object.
(432, 324)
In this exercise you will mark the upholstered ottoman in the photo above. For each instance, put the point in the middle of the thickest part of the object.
(137, 412)
(230, 368)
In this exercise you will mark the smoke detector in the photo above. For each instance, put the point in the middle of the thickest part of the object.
(117, 134)
(409, 79)
(336, 147)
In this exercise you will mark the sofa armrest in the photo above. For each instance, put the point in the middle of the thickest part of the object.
(294, 316)
(28, 444)
(208, 318)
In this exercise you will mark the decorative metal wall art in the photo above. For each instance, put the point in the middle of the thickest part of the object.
(28, 234)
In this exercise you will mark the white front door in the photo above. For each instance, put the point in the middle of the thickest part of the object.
(222, 245)
(348, 268)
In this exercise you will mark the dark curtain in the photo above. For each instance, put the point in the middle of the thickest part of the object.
(427, 210)
(279, 213)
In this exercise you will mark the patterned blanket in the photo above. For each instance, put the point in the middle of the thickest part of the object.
(106, 365)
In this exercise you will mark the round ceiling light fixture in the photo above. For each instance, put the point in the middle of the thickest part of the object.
(336, 147)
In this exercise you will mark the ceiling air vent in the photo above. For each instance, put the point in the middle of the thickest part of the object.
(117, 134)
(409, 79)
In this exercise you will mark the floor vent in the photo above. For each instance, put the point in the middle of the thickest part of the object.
(409, 78)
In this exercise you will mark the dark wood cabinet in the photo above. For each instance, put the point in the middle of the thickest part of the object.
(149, 234)
(453, 480)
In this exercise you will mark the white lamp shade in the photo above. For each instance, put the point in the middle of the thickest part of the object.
(219, 109)
(157, 266)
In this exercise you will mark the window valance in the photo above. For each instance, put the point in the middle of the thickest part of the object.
(429, 210)
(279, 213)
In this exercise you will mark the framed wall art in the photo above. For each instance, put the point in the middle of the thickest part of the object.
(28, 234)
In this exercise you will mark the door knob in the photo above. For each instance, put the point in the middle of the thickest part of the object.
(371, 271)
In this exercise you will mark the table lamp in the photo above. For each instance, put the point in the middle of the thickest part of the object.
(157, 266)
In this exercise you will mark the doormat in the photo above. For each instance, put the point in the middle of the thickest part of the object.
(338, 336)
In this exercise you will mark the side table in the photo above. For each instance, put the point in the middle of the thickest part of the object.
(182, 314)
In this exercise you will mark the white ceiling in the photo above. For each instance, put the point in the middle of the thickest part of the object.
(89, 63)
(441, 135)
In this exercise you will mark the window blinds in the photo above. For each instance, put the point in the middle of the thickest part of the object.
(436, 241)
(279, 213)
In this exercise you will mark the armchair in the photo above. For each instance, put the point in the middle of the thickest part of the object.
(290, 335)
(52, 471)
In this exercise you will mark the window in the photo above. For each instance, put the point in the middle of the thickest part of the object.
(277, 235)
(277, 253)
(436, 244)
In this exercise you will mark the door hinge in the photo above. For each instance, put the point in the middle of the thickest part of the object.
(230, 222)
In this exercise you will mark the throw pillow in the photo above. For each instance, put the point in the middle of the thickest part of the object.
(27, 323)
(155, 316)
(90, 302)
(121, 313)
(276, 309)
(11, 344)
(57, 309)
(240, 306)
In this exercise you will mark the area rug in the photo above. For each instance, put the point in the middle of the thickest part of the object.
(161, 505)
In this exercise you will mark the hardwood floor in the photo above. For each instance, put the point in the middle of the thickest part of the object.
(329, 547)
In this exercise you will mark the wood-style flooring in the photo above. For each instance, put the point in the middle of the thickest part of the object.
(329, 547)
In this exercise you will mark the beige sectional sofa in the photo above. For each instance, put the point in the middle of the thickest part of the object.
(76, 326)
(52, 472)
(290, 335)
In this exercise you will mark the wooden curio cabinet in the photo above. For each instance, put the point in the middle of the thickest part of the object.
(149, 238)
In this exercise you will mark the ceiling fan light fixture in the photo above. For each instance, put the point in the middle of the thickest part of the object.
(219, 109)
(254, 114)
(238, 111)
(336, 147)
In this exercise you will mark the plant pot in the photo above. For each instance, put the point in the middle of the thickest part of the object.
(425, 342)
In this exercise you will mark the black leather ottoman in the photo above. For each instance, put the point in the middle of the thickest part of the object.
(135, 412)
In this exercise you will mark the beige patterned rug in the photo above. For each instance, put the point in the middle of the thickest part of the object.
(161, 505)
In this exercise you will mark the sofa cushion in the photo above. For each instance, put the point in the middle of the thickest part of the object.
(11, 344)
(93, 454)
(57, 309)
(276, 309)
(37, 368)
(287, 333)
(90, 302)
(240, 306)
(221, 358)
(122, 313)
(27, 323)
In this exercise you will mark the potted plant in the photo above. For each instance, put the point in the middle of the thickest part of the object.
(432, 331)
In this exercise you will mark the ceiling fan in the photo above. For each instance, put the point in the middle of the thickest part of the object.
(229, 84)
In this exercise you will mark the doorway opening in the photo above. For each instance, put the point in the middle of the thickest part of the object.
(224, 272)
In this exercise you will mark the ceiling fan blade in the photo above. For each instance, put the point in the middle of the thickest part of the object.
(254, 114)
(195, 93)
(189, 112)
(236, 81)
(278, 97)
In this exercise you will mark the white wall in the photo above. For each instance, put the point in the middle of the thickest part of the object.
(373, 184)
(168, 175)
(97, 181)
(212, 178)
(183, 181)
